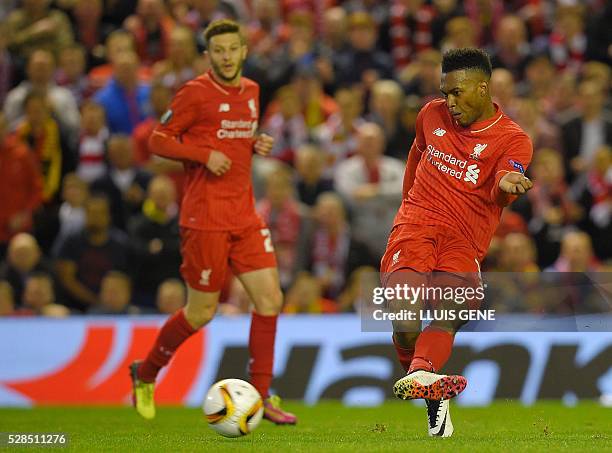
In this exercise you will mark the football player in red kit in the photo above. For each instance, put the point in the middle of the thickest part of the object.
(211, 127)
(466, 164)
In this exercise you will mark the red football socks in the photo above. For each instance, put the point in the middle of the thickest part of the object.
(261, 349)
(404, 355)
(432, 349)
(172, 334)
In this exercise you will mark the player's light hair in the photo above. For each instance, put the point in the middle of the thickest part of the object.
(468, 58)
(222, 27)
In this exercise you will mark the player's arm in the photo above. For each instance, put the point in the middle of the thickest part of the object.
(510, 179)
(182, 114)
(414, 156)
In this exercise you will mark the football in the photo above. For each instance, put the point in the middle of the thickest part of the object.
(233, 407)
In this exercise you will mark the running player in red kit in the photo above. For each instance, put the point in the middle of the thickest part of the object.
(467, 162)
(211, 126)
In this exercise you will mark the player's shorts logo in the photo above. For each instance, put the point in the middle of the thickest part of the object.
(166, 117)
(396, 258)
(205, 277)
(439, 132)
(224, 107)
(479, 148)
(471, 175)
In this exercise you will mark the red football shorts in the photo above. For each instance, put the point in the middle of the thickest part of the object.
(431, 256)
(208, 254)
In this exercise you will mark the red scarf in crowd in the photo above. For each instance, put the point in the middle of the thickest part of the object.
(405, 43)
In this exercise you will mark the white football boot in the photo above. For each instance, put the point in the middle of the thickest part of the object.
(439, 422)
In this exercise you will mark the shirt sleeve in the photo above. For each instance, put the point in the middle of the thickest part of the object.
(516, 158)
(182, 114)
(414, 155)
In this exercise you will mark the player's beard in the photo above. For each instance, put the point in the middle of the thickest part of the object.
(219, 71)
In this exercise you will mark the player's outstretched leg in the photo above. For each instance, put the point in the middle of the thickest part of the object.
(264, 289)
(439, 422)
(179, 327)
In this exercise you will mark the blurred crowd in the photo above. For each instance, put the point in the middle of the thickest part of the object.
(88, 215)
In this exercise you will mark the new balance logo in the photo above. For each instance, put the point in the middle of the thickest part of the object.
(224, 107)
(479, 148)
(471, 175)
(396, 258)
(439, 132)
(205, 277)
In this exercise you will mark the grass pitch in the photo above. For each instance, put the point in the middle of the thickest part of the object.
(329, 426)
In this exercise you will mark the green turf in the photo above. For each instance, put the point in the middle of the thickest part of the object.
(395, 427)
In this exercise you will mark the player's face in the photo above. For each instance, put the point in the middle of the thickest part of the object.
(227, 54)
(466, 95)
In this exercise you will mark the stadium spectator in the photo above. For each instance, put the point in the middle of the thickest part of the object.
(511, 49)
(593, 191)
(286, 218)
(39, 298)
(517, 254)
(503, 90)
(84, 258)
(406, 31)
(151, 27)
(576, 254)
(306, 297)
(331, 252)
(445, 10)
(460, 33)
(548, 208)
(568, 40)
(89, 29)
(93, 139)
(117, 43)
(154, 240)
(42, 134)
(385, 103)
(7, 299)
(124, 98)
(287, 126)
(422, 75)
(115, 296)
(485, 17)
(71, 73)
(309, 166)
(542, 132)
(371, 183)
(171, 296)
(539, 78)
(266, 30)
(338, 135)
(362, 63)
(590, 128)
(183, 62)
(334, 31)
(124, 183)
(23, 258)
(36, 26)
(40, 70)
(72, 210)
(21, 178)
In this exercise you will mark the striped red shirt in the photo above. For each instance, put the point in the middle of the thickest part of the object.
(457, 176)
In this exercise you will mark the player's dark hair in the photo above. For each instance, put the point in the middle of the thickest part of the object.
(466, 58)
(221, 27)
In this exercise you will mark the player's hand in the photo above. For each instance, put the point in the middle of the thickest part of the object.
(218, 163)
(263, 145)
(515, 183)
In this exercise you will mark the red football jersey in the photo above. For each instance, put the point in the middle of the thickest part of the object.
(456, 180)
(206, 116)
